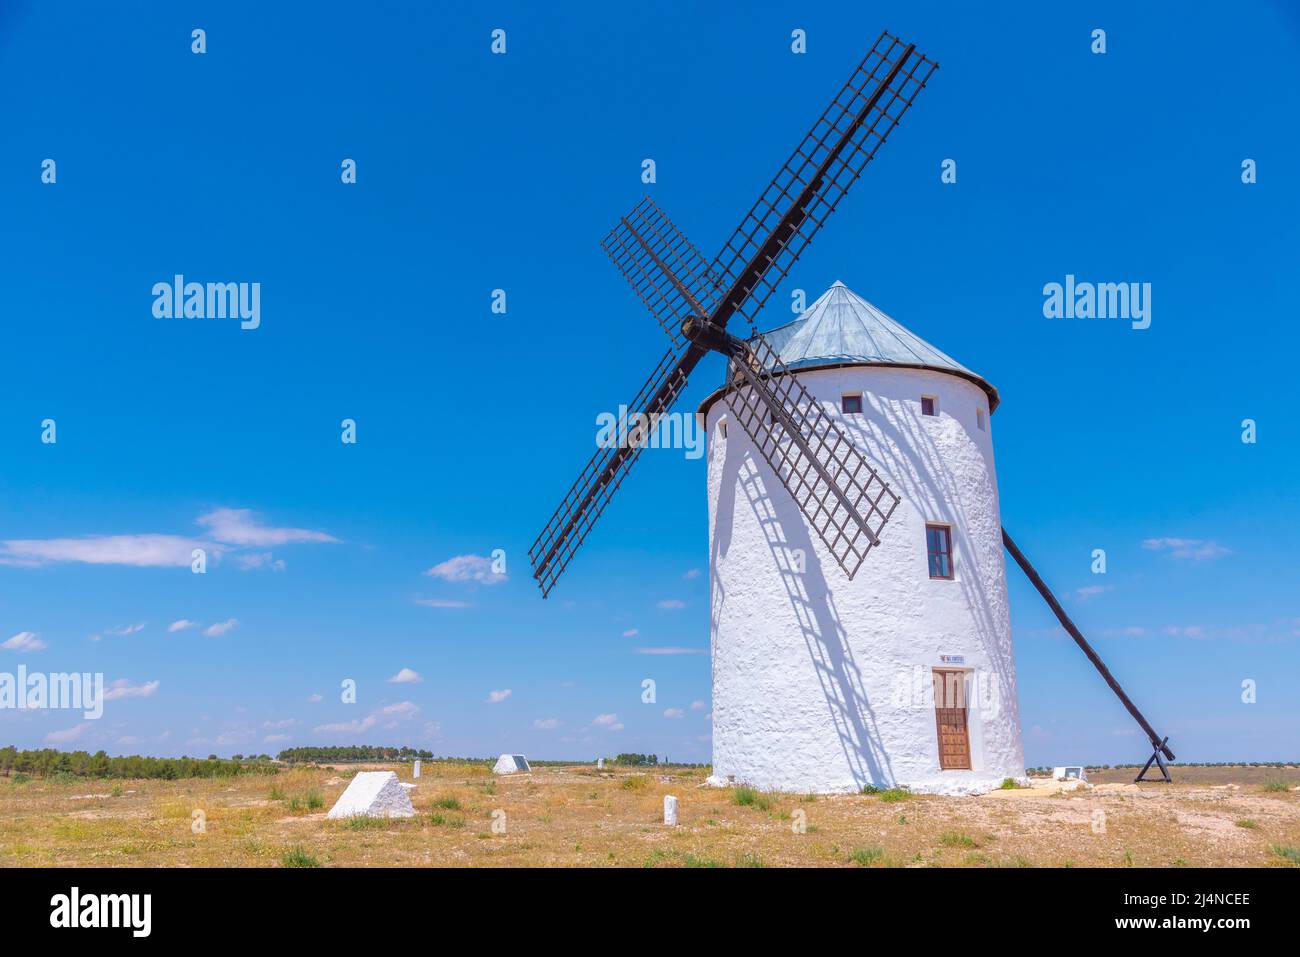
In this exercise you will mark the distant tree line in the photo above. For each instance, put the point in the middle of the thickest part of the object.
(47, 762)
(637, 760)
(355, 752)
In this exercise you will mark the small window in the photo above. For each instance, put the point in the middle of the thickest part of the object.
(979, 419)
(722, 428)
(938, 545)
(851, 404)
(929, 405)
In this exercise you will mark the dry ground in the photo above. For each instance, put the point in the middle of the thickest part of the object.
(580, 816)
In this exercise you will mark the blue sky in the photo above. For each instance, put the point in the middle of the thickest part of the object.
(477, 172)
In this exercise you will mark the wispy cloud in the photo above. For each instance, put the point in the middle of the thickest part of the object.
(259, 561)
(697, 705)
(122, 688)
(141, 551)
(1195, 549)
(1186, 631)
(24, 641)
(467, 568)
(313, 698)
(389, 716)
(405, 677)
(631, 632)
(674, 713)
(672, 651)
(496, 697)
(672, 604)
(609, 721)
(116, 632)
(180, 625)
(240, 526)
(441, 603)
(69, 735)
(546, 724)
(692, 573)
(221, 627)
(1091, 591)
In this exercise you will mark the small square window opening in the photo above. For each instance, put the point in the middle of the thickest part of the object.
(929, 405)
(850, 404)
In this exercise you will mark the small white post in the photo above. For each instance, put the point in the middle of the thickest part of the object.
(600, 764)
(670, 809)
(415, 773)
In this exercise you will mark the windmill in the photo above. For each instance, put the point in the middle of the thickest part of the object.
(838, 493)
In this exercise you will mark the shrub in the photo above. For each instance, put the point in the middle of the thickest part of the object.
(1291, 854)
(447, 802)
(954, 839)
(297, 857)
(866, 856)
(1276, 785)
(636, 782)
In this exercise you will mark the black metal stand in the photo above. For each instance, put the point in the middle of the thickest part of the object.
(1159, 759)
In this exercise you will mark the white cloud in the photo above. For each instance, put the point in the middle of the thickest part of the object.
(674, 713)
(693, 573)
(275, 738)
(697, 705)
(1195, 549)
(467, 568)
(1091, 591)
(122, 688)
(441, 603)
(124, 630)
(631, 632)
(1186, 631)
(284, 723)
(24, 641)
(496, 697)
(546, 724)
(68, 735)
(239, 526)
(405, 677)
(672, 651)
(256, 561)
(403, 710)
(142, 551)
(313, 698)
(180, 625)
(221, 627)
(605, 720)
(349, 727)
(672, 604)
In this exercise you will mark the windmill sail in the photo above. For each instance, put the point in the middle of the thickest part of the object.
(652, 253)
(666, 272)
(840, 495)
(554, 548)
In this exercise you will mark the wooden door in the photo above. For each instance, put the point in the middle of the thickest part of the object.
(950, 720)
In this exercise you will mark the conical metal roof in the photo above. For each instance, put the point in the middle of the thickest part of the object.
(842, 328)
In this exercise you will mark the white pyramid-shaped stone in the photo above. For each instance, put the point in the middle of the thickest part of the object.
(374, 794)
(511, 764)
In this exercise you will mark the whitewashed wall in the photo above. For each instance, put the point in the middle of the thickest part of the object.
(822, 684)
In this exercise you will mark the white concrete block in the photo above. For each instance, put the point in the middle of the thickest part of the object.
(670, 809)
(373, 794)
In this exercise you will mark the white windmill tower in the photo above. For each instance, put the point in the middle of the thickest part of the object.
(841, 424)
(904, 674)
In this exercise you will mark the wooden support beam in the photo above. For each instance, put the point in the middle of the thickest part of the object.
(1157, 742)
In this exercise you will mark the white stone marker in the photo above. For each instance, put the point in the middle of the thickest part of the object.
(600, 764)
(670, 809)
(374, 794)
(415, 772)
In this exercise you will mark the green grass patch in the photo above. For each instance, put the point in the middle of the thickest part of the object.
(1248, 824)
(297, 857)
(866, 856)
(1287, 853)
(636, 782)
(448, 803)
(1276, 785)
(748, 797)
(955, 839)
